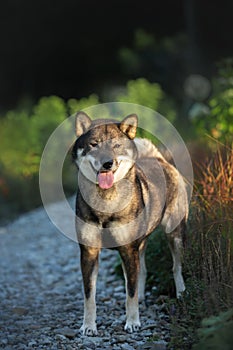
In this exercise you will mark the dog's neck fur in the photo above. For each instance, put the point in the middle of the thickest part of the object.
(91, 196)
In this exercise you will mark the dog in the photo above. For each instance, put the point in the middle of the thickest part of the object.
(126, 188)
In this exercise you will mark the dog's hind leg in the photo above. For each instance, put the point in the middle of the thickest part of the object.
(89, 266)
(142, 272)
(176, 246)
(130, 264)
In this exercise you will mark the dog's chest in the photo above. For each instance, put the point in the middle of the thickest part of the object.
(119, 204)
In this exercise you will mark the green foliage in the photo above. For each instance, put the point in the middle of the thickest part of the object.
(216, 332)
(151, 95)
(75, 105)
(159, 264)
(143, 39)
(140, 58)
(131, 57)
(142, 92)
(47, 114)
(23, 134)
(17, 154)
(217, 119)
(185, 316)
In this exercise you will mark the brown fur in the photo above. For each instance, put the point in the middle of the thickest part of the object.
(158, 196)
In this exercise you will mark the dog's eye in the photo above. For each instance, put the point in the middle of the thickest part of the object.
(117, 145)
(93, 144)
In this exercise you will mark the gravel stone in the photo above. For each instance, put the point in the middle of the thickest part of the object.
(20, 310)
(32, 343)
(41, 298)
(67, 332)
(127, 347)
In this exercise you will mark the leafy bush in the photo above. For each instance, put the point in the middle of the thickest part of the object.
(159, 264)
(142, 92)
(47, 114)
(216, 332)
(17, 152)
(23, 135)
(151, 95)
(217, 119)
(75, 105)
(132, 59)
(157, 59)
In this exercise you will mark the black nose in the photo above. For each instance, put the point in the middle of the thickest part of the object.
(108, 165)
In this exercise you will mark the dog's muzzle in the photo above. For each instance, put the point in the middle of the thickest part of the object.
(105, 176)
(108, 165)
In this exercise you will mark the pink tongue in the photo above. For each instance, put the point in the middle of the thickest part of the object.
(105, 180)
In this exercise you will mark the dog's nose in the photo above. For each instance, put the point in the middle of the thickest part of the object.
(108, 165)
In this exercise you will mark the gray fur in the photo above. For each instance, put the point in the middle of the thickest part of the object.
(147, 191)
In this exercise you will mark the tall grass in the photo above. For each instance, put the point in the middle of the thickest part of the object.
(208, 256)
(214, 219)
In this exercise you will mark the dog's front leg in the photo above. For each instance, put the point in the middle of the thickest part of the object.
(89, 266)
(130, 264)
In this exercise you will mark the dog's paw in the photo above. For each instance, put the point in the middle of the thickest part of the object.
(89, 330)
(131, 327)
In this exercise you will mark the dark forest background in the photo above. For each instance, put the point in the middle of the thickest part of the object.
(71, 48)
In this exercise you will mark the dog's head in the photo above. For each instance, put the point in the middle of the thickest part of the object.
(104, 151)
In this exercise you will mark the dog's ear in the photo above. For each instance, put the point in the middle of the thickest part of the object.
(82, 123)
(129, 125)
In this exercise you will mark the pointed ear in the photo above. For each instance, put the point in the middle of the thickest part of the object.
(129, 125)
(82, 123)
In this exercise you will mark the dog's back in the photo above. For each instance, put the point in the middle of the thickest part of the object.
(176, 202)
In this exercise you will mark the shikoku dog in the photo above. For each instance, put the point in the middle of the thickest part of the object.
(126, 189)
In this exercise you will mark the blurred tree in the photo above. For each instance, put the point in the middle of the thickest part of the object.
(151, 95)
(217, 119)
(17, 153)
(48, 113)
(24, 135)
(142, 92)
(157, 59)
(75, 105)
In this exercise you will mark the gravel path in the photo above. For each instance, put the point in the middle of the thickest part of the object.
(41, 301)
